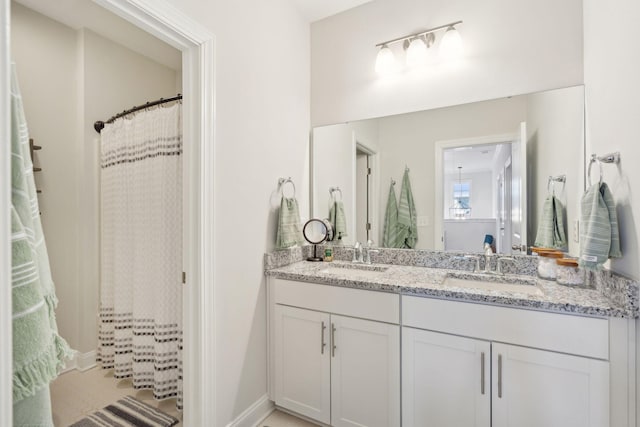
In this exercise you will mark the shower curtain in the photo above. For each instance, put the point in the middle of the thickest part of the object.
(140, 334)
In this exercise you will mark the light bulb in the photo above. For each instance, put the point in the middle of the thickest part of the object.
(451, 44)
(416, 53)
(385, 61)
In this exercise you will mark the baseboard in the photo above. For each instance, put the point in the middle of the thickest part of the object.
(254, 414)
(80, 361)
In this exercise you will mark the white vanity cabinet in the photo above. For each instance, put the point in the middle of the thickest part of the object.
(447, 379)
(542, 388)
(335, 353)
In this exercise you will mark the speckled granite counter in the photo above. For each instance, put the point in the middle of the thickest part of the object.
(428, 282)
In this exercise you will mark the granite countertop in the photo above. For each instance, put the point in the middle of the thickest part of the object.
(428, 282)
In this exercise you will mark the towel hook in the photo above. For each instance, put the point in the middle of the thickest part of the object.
(334, 190)
(283, 181)
(551, 187)
(393, 181)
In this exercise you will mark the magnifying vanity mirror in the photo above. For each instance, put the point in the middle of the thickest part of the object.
(476, 169)
(316, 232)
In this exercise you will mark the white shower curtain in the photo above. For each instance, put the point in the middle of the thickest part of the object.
(140, 334)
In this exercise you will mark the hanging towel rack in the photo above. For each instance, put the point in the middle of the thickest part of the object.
(553, 179)
(288, 180)
(335, 190)
(607, 158)
(99, 125)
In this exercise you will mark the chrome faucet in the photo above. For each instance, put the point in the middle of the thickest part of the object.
(367, 253)
(357, 253)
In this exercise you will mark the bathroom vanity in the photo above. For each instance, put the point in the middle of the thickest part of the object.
(390, 345)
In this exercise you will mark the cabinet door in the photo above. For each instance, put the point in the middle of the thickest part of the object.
(365, 373)
(533, 388)
(302, 362)
(445, 380)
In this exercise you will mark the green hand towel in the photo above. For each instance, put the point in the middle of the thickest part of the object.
(407, 217)
(599, 236)
(289, 227)
(337, 219)
(38, 350)
(390, 230)
(551, 232)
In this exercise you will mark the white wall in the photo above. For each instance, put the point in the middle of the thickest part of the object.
(612, 67)
(69, 80)
(262, 133)
(409, 139)
(555, 139)
(45, 56)
(512, 47)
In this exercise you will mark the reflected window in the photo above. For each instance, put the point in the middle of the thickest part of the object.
(461, 196)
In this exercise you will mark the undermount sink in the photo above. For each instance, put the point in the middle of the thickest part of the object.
(492, 283)
(354, 270)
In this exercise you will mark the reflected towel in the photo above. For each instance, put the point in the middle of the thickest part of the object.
(338, 219)
(289, 227)
(599, 235)
(38, 350)
(551, 232)
(407, 219)
(390, 231)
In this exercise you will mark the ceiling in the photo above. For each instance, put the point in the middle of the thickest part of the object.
(475, 158)
(315, 10)
(79, 14)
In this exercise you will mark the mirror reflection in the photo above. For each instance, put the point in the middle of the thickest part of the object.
(476, 170)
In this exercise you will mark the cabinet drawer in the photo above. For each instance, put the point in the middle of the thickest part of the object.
(584, 336)
(380, 306)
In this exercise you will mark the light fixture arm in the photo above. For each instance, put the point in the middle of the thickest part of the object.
(421, 33)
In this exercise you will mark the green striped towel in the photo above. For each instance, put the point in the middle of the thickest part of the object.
(407, 218)
(337, 219)
(289, 227)
(390, 230)
(551, 233)
(38, 350)
(599, 234)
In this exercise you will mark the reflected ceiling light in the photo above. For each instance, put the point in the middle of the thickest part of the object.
(385, 61)
(451, 44)
(416, 46)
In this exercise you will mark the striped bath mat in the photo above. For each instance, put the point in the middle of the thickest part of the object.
(125, 413)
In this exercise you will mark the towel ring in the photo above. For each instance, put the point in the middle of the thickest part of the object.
(334, 190)
(283, 181)
(594, 159)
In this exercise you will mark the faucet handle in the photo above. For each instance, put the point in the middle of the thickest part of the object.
(357, 252)
(368, 252)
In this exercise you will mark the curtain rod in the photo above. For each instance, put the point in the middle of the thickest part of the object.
(99, 125)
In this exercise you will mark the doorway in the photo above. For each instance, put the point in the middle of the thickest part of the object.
(196, 45)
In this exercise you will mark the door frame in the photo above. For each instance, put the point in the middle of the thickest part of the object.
(438, 222)
(197, 45)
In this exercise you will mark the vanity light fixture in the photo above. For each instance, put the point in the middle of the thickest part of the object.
(416, 47)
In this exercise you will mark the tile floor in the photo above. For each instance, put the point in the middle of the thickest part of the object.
(76, 394)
